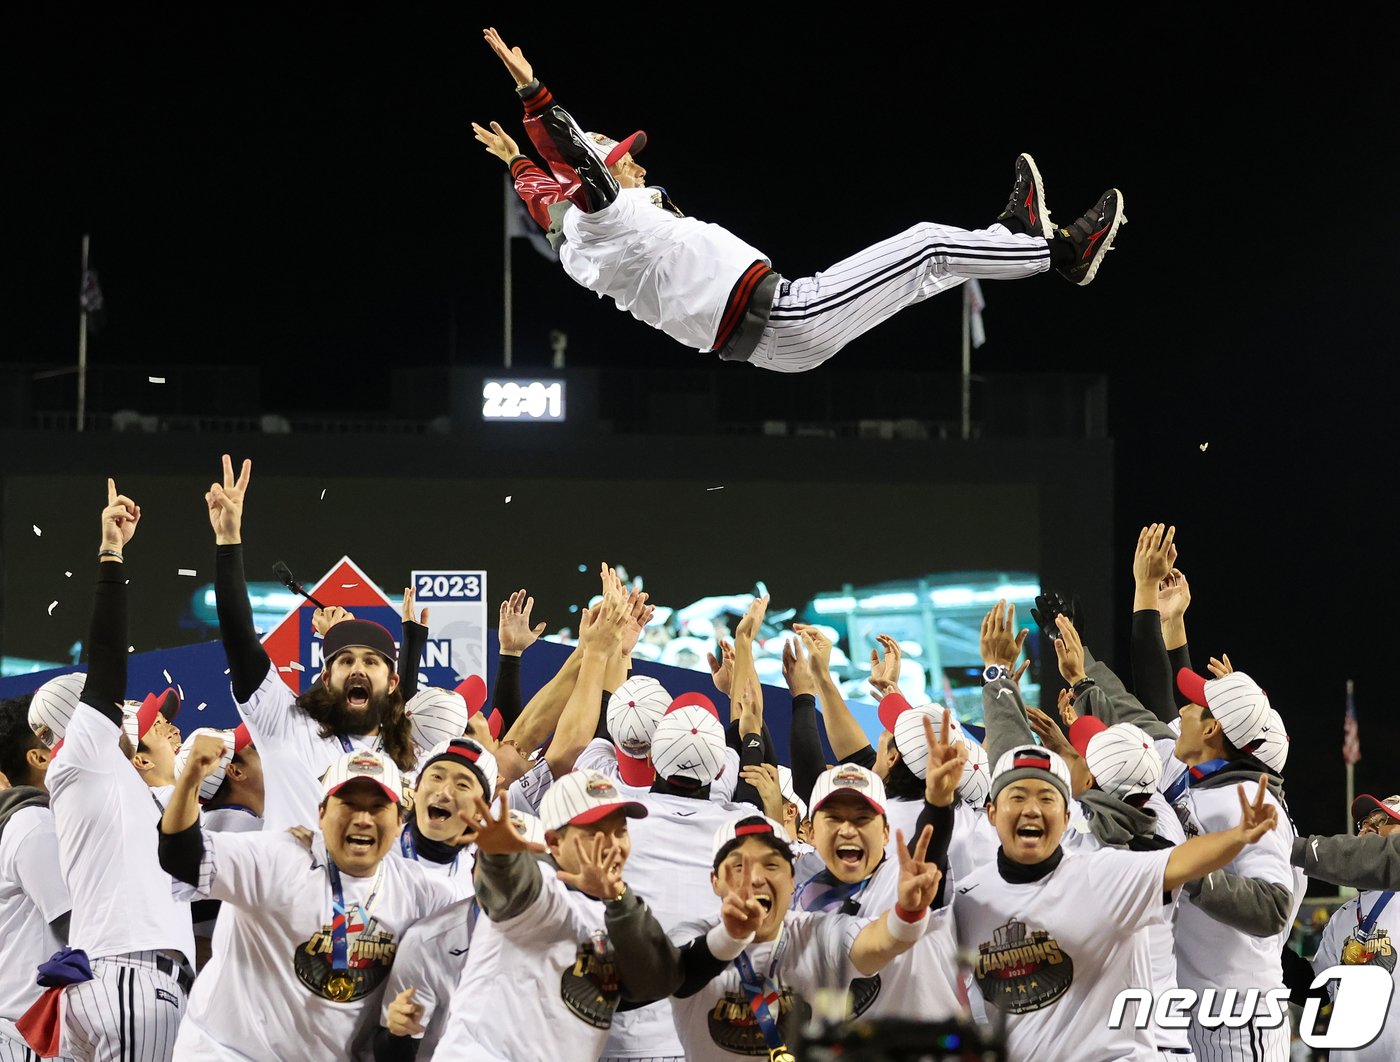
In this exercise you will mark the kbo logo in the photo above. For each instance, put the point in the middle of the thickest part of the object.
(1359, 1008)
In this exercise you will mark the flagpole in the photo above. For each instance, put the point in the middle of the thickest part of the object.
(1351, 775)
(508, 337)
(966, 366)
(82, 342)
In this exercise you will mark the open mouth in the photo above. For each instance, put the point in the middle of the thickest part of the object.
(766, 902)
(360, 842)
(357, 693)
(438, 814)
(850, 855)
(1030, 833)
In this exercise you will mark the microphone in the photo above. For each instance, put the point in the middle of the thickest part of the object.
(285, 577)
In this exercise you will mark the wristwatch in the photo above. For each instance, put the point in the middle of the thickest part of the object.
(992, 672)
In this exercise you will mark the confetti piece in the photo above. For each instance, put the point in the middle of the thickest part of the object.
(180, 690)
(131, 648)
(284, 670)
(226, 670)
(67, 575)
(323, 493)
(52, 605)
(187, 571)
(168, 679)
(348, 586)
(297, 667)
(573, 608)
(39, 534)
(156, 379)
(508, 497)
(583, 567)
(201, 707)
(1203, 446)
(714, 488)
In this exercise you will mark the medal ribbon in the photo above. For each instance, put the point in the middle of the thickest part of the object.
(1194, 774)
(1364, 928)
(349, 746)
(763, 994)
(340, 917)
(821, 892)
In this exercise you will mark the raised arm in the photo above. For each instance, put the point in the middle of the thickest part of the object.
(515, 634)
(181, 839)
(845, 735)
(1199, 856)
(105, 687)
(1005, 713)
(804, 740)
(1152, 675)
(887, 938)
(600, 633)
(247, 659)
(415, 638)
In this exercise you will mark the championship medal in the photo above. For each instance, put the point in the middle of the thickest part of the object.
(781, 1054)
(1354, 953)
(340, 987)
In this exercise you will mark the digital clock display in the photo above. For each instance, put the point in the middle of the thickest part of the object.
(522, 400)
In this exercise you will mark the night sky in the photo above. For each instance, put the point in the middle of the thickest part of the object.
(303, 191)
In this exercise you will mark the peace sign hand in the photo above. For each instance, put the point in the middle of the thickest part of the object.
(225, 501)
(1256, 817)
(918, 880)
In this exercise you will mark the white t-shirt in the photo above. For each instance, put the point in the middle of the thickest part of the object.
(260, 996)
(230, 819)
(431, 958)
(457, 873)
(975, 842)
(521, 997)
(919, 985)
(672, 273)
(600, 755)
(107, 823)
(1210, 953)
(32, 894)
(669, 868)
(1380, 950)
(1054, 965)
(294, 755)
(812, 952)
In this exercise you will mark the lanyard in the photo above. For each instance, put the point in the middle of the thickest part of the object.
(763, 994)
(409, 850)
(1194, 774)
(821, 893)
(349, 746)
(340, 918)
(1364, 928)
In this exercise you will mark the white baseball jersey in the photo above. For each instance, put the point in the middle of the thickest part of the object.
(672, 273)
(294, 754)
(528, 790)
(1377, 948)
(1210, 953)
(812, 952)
(600, 755)
(274, 959)
(107, 821)
(919, 985)
(230, 819)
(531, 990)
(975, 842)
(457, 873)
(1053, 972)
(670, 869)
(32, 894)
(431, 958)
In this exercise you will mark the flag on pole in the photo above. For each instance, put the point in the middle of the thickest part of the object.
(1351, 734)
(521, 226)
(972, 296)
(90, 301)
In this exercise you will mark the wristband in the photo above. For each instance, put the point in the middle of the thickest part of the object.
(110, 553)
(724, 947)
(903, 929)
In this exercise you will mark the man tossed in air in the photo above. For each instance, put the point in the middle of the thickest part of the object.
(705, 287)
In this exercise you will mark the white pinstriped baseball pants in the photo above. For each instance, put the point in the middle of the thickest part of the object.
(814, 317)
(1245, 1044)
(13, 1048)
(129, 1012)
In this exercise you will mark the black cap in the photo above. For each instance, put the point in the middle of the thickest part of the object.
(355, 634)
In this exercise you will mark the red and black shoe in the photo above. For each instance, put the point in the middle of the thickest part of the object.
(1026, 210)
(1082, 245)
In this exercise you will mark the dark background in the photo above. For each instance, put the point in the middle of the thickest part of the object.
(302, 192)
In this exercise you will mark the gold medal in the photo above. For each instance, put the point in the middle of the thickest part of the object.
(340, 987)
(1354, 953)
(781, 1054)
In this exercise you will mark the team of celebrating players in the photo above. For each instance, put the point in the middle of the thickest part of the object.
(606, 871)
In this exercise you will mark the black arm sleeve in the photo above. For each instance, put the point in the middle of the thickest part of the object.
(415, 637)
(1179, 658)
(247, 659)
(1298, 977)
(808, 763)
(105, 686)
(601, 730)
(181, 853)
(941, 819)
(863, 757)
(1152, 674)
(505, 692)
(391, 1048)
(750, 755)
(698, 967)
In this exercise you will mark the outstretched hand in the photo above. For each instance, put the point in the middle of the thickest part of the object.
(496, 836)
(406, 614)
(741, 913)
(918, 879)
(498, 142)
(946, 756)
(998, 640)
(599, 867)
(119, 519)
(513, 626)
(225, 501)
(722, 670)
(404, 1016)
(1069, 651)
(513, 58)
